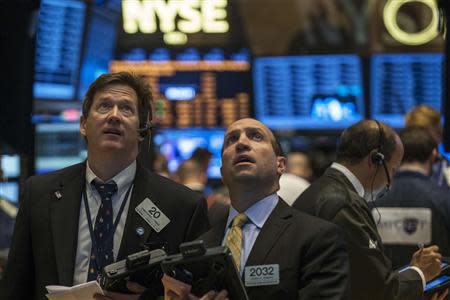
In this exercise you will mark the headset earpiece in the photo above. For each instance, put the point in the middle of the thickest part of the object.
(377, 158)
(145, 130)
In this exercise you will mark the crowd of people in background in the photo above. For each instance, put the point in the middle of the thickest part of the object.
(275, 201)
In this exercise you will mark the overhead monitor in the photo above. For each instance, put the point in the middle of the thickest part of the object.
(99, 46)
(58, 49)
(308, 92)
(401, 81)
(58, 145)
(10, 165)
(9, 191)
(178, 145)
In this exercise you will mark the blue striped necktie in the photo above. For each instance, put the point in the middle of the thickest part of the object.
(102, 231)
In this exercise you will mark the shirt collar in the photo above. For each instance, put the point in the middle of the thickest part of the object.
(351, 177)
(258, 212)
(123, 179)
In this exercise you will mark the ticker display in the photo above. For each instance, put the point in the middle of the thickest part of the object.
(58, 49)
(401, 81)
(195, 93)
(308, 92)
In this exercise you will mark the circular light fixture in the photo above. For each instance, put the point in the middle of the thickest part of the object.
(419, 38)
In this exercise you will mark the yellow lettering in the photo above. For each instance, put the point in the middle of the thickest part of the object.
(166, 12)
(192, 22)
(138, 15)
(214, 15)
(195, 16)
(175, 38)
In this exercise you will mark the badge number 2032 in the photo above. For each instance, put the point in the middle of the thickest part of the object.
(262, 275)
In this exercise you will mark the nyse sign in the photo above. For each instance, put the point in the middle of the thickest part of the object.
(430, 32)
(175, 18)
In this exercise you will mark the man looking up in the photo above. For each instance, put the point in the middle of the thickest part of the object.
(260, 229)
(73, 222)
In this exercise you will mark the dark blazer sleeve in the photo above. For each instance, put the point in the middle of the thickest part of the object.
(199, 222)
(324, 273)
(379, 281)
(18, 282)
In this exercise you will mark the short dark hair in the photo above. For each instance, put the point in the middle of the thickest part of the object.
(358, 140)
(276, 145)
(137, 83)
(418, 144)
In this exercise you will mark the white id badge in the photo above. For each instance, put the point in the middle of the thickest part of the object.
(152, 215)
(262, 275)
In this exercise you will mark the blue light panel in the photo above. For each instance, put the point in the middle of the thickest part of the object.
(10, 165)
(308, 92)
(9, 191)
(99, 47)
(401, 81)
(58, 145)
(58, 47)
(177, 145)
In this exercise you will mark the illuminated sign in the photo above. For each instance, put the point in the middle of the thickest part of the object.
(175, 18)
(419, 38)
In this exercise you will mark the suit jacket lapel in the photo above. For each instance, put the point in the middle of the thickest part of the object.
(64, 215)
(271, 231)
(337, 175)
(214, 236)
(131, 240)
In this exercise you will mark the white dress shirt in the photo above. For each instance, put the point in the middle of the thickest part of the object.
(257, 215)
(291, 186)
(124, 180)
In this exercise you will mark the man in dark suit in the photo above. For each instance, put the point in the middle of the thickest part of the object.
(73, 222)
(413, 188)
(368, 154)
(310, 254)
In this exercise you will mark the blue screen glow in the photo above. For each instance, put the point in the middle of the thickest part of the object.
(308, 92)
(401, 81)
(177, 145)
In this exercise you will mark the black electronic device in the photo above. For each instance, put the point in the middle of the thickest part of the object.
(445, 266)
(437, 285)
(205, 269)
(142, 267)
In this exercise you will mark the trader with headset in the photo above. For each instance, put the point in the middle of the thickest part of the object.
(367, 156)
(73, 222)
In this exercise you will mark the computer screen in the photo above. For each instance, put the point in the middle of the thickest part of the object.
(178, 145)
(58, 145)
(10, 165)
(308, 92)
(9, 191)
(58, 49)
(99, 47)
(401, 81)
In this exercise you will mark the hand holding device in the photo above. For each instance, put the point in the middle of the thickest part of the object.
(205, 270)
(428, 260)
(142, 267)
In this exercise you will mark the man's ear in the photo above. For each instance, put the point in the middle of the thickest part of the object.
(83, 126)
(370, 161)
(281, 165)
(434, 156)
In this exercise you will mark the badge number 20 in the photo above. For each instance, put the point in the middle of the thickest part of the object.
(154, 212)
